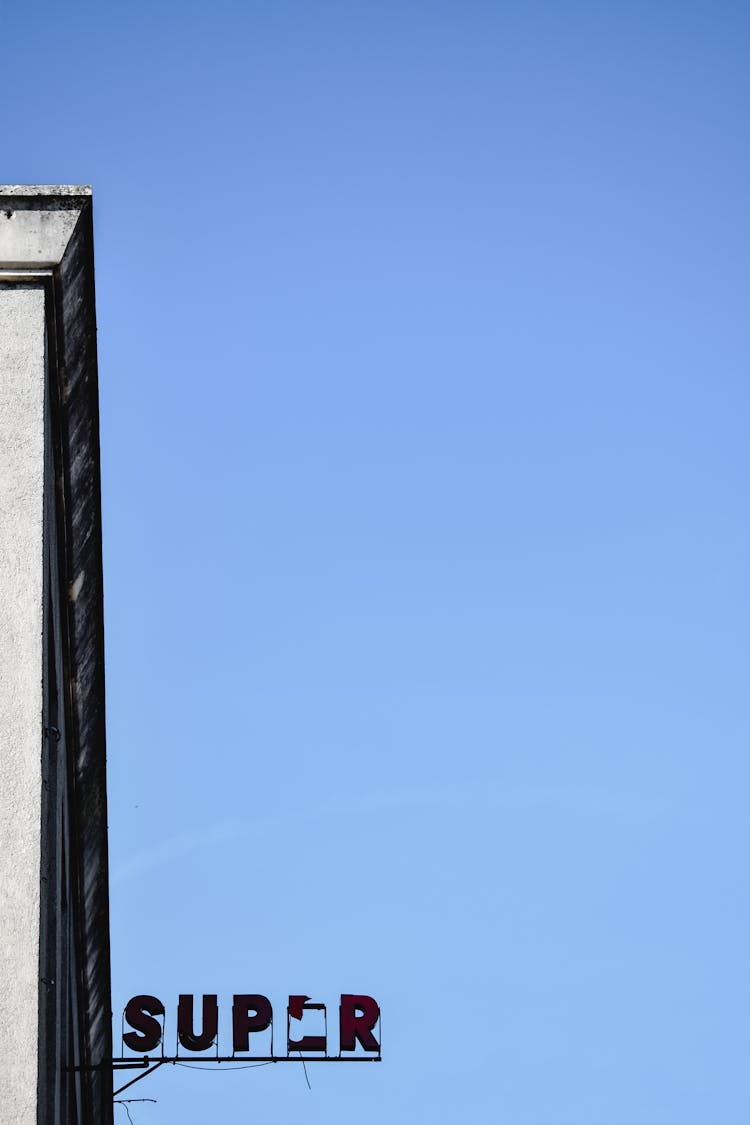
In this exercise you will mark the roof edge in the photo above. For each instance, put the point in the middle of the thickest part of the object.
(45, 190)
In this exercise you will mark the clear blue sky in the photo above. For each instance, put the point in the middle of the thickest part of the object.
(423, 338)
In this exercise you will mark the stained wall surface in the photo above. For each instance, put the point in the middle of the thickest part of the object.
(22, 383)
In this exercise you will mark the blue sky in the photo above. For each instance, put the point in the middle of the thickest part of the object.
(423, 346)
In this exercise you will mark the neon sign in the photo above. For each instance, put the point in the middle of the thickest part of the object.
(251, 1015)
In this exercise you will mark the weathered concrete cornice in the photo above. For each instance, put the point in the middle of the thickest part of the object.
(43, 191)
(37, 223)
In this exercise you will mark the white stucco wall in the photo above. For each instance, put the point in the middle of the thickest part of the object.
(22, 362)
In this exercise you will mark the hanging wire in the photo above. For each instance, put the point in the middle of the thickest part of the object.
(127, 1110)
(197, 1066)
(129, 1101)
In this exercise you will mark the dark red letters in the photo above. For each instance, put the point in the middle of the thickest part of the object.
(353, 1027)
(243, 1023)
(139, 1013)
(359, 1023)
(185, 1028)
(298, 1005)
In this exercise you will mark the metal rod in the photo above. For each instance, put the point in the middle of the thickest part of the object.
(141, 1064)
(133, 1081)
(255, 1058)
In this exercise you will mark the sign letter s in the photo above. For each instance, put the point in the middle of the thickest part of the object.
(139, 1013)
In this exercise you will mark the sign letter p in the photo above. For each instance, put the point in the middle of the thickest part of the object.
(243, 1022)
